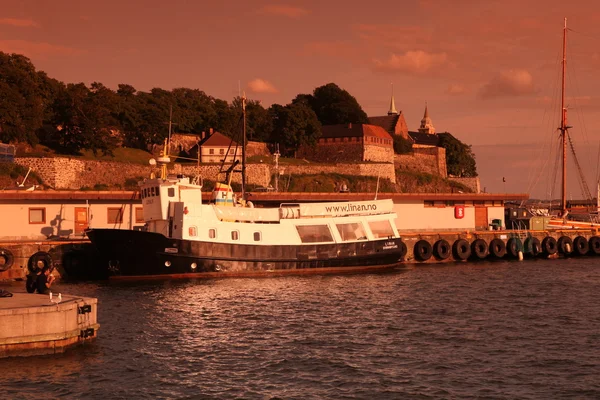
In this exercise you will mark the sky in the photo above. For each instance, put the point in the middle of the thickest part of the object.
(489, 71)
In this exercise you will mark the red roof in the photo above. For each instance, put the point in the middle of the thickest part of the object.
(217, 140)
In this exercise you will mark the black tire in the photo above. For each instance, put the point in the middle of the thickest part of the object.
(580, 246)
(565, 245)
(6, 260)
(479, 249)
(532, 246)
(594, 244)
(38, 261)
(549, 246)
(461, 250)
(513, 247)
(422, 250)
(75, 263)
(497, 248)
(403, 250)
(442, 249)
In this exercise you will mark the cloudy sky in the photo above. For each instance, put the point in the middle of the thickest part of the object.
(488, 70)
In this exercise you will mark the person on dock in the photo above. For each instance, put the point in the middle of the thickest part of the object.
(44, 281)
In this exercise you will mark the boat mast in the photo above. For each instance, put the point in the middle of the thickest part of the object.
(244, 146)
(563, 125)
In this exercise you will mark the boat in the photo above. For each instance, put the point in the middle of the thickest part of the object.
(187, 237)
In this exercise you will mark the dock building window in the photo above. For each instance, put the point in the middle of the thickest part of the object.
(314, 233)
(381, 229)
(115, 215)
(139, 214)
(235, 235)
(37, 215)
(351, 231)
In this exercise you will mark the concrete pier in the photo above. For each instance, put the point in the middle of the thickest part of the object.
(32, 324)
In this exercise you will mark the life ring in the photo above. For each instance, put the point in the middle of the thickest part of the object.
(403, 250)
(497, 248)
(532, 246)
(442, 249)
(479, 249)
(6, 260)
(594, 244)
(422, 250)
(38, 261)
(565, 245)
(514, 246)
(461, 250)
(549, 246)
(580, 246)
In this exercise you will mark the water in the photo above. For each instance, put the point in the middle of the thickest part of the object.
(500, 330)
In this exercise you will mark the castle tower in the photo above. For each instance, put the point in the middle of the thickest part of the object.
(393, 110)
(426, 124)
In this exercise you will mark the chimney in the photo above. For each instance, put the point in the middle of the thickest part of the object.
(211, 131)
(203, 135)
(350, 125)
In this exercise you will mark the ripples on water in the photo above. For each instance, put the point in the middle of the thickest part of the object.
(491, 330)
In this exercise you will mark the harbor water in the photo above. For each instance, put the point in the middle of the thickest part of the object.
(499, 330)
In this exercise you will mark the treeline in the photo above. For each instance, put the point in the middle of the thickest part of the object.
(69, 118)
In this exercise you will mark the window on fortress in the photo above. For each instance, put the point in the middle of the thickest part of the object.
(381, 229)
(314, 233)
(211, 151)
(351, 231)
(139, 214)
(114, 215)
(221, 151)
(37, 215)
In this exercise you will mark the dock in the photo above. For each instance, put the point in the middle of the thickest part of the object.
(34, 324)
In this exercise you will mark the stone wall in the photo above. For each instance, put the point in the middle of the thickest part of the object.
(383, 170)
(472, 183)
(429, 160)
(378, 153)
(336, 152)
(257, 149)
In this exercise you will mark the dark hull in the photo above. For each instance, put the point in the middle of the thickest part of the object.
(130, 254)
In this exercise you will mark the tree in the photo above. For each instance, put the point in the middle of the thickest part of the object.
(333, 105)
(460, 160)
(22, 106)
(401, 145)
(294, 125)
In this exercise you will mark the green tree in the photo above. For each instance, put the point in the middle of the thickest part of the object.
(401, 145)
(294, 125)
(333, 105)
(460, 160)
(22, 103)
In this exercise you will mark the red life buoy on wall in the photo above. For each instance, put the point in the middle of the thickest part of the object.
(459, 212)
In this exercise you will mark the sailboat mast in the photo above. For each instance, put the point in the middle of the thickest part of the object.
(563, 124)
(244, 146)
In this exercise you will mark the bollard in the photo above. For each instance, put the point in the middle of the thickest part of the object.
(520, 255)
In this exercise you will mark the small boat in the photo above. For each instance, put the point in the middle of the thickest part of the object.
(184, 237)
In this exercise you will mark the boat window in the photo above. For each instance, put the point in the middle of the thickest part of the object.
(139, 214)
(157, 191)
(314, 233)
(235, 235)
(257, 236)
(152, 191)
(37, 215)
(115, 215)
(171, 192)
(212, 233)
(352, 231)
(193, 231)
(381, 229)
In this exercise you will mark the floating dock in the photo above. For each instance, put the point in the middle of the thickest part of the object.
(34, 324)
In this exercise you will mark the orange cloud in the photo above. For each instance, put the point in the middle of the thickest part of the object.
(456, 89)
(261, 86)
(416, 62)
(21, 23)
(515, 82)
(286, 11)
(33, 49)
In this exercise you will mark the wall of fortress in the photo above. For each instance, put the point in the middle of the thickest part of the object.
(429, 160)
